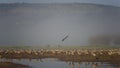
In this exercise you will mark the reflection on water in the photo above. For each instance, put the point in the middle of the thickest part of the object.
(55, 63)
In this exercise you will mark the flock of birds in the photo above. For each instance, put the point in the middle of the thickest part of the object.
(60, 53)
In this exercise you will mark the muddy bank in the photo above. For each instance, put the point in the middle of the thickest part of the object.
(12, 65)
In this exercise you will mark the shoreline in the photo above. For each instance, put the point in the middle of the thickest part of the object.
(12, 65)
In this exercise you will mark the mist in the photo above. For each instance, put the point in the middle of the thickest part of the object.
(43, 24)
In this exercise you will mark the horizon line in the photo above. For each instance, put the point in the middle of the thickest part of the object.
(59, 3)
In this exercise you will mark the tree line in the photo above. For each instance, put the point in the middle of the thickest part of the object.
(105, 40)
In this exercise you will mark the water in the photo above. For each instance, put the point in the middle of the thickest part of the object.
(55, 63)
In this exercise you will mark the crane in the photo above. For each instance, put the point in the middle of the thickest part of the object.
(65, 38)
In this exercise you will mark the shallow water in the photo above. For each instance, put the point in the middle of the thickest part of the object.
(55, 63)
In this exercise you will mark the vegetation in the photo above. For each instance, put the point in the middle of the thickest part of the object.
(105, 40)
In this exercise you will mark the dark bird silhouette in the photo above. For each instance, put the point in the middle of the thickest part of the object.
(64, 38)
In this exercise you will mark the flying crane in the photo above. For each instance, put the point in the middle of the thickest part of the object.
(65, 38)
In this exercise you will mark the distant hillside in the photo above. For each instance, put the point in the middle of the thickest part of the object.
(55, 6)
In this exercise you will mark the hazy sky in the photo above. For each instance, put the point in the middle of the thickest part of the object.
(45, 24)
(107, 2)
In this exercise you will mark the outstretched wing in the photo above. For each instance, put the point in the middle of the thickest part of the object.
(64, 38)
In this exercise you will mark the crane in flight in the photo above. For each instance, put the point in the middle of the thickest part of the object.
(65, 38)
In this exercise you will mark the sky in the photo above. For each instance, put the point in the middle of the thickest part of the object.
(49, 25)
(106, 2)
